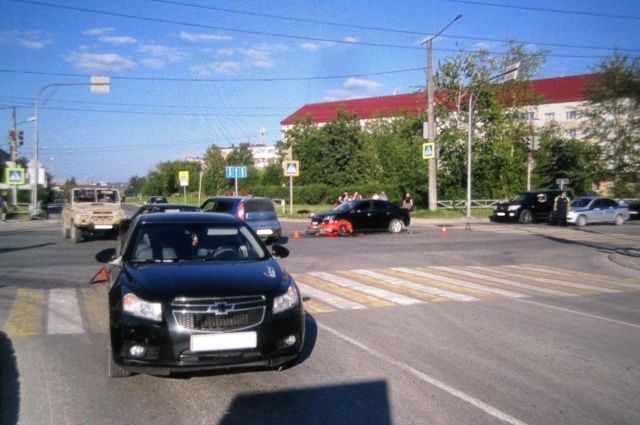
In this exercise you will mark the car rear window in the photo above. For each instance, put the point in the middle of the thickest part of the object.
(219, 207)
(257, 205)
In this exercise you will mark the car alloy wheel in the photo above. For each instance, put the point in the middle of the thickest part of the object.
(526, 217)
(395, 226)
(581, 221)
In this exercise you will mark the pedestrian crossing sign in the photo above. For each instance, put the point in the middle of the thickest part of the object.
(14, 176)
(428, 150)
(291, 168)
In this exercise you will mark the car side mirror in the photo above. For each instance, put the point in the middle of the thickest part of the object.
(279, 251)
(106, 255)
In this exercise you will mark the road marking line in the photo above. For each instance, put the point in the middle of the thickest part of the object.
(355, 290)
(562, 283)
(458, 282)
(408, 284)
(327, 298)
(371, 290)
(507, 282)
(496, 413)
(64, 312)
(27, 313)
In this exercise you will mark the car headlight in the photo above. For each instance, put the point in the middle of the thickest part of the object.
(287, 300)
(514, 207)
(86, 215)
(135, 306)
(121, 214)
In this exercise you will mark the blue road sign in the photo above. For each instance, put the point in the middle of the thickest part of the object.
(236, 172)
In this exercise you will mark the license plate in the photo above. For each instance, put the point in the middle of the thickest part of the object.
(500, 214)
(103, 227)
(264, 231)
(231, 341)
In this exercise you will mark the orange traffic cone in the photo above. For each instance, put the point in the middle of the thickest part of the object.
(296, 234)
(443, 232)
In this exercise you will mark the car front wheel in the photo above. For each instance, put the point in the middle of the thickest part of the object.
(395, 226)
(76, 234)
(618, 220)
(581, 221)
(526, 217)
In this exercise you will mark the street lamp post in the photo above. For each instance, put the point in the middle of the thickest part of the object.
(98, 85)
(431, 125)
(511, 73)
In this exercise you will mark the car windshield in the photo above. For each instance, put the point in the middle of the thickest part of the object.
(170, 242)
(580, 202)
(522, 197)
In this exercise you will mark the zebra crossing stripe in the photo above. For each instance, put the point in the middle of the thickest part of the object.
(462, 283)
(561, 283)
(506, 282)
(26, 315)
(327, 298)
(64, 312)
(412, 285)
(95, 300)
(383, 294)
(619, 282)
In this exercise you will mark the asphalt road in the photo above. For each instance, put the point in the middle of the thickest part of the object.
(497, 324)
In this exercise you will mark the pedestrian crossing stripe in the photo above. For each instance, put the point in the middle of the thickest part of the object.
(72, 311)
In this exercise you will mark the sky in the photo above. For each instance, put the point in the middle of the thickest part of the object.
(188, 74)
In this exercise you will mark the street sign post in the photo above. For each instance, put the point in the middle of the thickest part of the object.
(562, 182)
(236, 172)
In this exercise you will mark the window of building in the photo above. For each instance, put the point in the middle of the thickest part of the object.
(571, 115)
(571, 134)
(550, 116)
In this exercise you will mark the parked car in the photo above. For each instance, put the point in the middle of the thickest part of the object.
(158, 200)
(634, 209)
(199, 291)
(528, 207)
(365, 215)
(153, 208)
(259, 213)
(588, 210)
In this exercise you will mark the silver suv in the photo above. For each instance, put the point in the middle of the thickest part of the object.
(259, 213)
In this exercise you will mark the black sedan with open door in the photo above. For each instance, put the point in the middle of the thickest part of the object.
(199, 291)
(364, 215)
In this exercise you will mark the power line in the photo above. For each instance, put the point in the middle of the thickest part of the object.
(540, 9)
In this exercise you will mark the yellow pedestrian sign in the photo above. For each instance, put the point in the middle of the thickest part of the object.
(183, 176)
(428, 150)
(291, 168)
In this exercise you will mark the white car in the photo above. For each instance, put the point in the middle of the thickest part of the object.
(597, 210)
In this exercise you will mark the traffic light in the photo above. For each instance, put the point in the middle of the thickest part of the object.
(21, 137)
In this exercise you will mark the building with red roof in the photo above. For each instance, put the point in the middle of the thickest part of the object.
(557, 101)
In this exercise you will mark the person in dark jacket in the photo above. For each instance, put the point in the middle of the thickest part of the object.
(562, 207)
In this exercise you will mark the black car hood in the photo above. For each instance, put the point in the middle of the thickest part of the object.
(165, 281)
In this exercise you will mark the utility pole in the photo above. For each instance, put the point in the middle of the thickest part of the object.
(431, 122)
(14, 155)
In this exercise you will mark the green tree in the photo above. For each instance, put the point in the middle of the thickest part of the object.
(499, 147)
(556, 158)
(214, 180)
(273, 175)
(613, 121)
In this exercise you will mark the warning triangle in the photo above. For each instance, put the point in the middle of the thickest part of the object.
(102, 276)
(292, 168)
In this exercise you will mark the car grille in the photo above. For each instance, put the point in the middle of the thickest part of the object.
(102, 216)
(219, 314)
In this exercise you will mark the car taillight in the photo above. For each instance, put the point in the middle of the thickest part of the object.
(241, 211)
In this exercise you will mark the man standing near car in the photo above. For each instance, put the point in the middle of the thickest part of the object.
(561, 207)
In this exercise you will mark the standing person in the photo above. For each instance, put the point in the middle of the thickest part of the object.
(383, 196)
(407, 203)
(562, 207)
(356, 196)
(4, 205)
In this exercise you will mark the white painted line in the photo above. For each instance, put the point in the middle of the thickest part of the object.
(64, 312)
(366, 289)
(490, 410)
(552, 281)
(416, 286)
(327, 298)
(462, 283)
(611, 282)
(505, 282)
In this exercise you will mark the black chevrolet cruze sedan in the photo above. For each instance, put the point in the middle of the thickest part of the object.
(199, 291)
